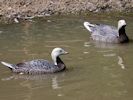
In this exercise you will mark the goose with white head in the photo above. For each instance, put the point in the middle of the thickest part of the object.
(40, 66)
(107, 33)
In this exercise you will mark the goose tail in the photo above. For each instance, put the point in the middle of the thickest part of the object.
(89, 26)
(11, 66)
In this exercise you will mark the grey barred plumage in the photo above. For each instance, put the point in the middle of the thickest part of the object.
(107, 33)
(40, 66)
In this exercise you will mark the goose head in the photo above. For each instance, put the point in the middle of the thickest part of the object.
(56, 53)
(122, 33)
(121, 23)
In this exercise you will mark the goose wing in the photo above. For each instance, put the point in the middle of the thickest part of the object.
(36, 64)
(105, 30)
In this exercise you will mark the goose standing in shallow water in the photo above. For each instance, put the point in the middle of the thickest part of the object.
(40, 66)
(106, 33)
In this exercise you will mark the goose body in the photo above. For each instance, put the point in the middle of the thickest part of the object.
(107, 33)
(40, 66)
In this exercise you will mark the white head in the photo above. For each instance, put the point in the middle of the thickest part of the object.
(57, 52)
(121, 23)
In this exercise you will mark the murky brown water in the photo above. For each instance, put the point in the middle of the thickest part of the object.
(96, 71)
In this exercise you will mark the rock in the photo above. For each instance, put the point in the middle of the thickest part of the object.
(40, 8)
(16, 20)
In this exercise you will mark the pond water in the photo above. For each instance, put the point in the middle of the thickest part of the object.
(95, 71)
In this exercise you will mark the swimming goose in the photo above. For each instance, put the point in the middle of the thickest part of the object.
(40, 66)
(106, 33)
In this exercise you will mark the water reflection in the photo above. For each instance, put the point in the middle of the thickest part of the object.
(1, 32)
(104, 45)
(40, 82)
(120, 62)
(55, 84)
(108, 50)
(109, 55)
(29, 94)
(27, 39)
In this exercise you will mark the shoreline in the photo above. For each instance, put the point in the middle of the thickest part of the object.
(15, 10)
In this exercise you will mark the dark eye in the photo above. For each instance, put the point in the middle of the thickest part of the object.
(60, 51)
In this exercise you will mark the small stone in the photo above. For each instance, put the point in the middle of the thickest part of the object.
(16, 20)
(9, 8)
(47, 15)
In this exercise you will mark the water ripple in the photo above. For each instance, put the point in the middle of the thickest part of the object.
(87, 44)
(66, 41)
(85, 52)
(55, 84)
(102, 51)
(109, 55)
(1, 32)
(55, 46)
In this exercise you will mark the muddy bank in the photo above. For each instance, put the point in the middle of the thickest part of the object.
(27, 9)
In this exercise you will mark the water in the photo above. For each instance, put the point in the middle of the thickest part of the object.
(95, 71)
